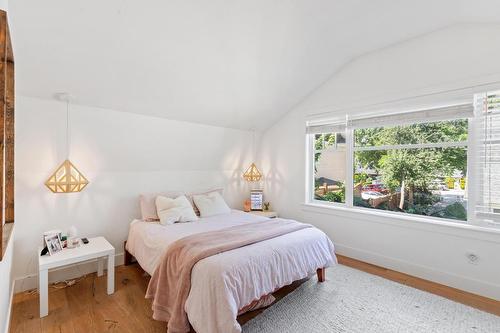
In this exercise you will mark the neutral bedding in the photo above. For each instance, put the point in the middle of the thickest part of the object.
(226, 282)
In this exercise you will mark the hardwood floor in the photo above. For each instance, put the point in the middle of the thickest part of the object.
(85, 306)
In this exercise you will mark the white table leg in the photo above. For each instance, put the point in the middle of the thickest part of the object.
(100, 266)
(43, 287)
(111, 274)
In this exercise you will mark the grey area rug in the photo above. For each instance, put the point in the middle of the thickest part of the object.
(355, 301)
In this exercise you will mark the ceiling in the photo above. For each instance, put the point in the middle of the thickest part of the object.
(231, 63)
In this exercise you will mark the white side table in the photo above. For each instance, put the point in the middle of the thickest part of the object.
(266, 213)
(97, 248)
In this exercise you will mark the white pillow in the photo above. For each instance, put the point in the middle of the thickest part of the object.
(174, 210)
(211, 204)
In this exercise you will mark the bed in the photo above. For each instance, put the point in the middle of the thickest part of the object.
(224, 283)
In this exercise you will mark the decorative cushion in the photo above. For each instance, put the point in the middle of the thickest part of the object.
(148, 206)
(174, 210)
(264, 301)
(191, 195)
(211, 204)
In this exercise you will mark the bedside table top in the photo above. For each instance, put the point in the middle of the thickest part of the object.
(266, 213)
(97, 247)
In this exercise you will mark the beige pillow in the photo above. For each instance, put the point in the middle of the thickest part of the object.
(148, 206)
(211, 204)
(191, 195)
(174, 210)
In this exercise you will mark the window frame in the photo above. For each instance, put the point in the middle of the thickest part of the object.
(471, 192)
(311, 181)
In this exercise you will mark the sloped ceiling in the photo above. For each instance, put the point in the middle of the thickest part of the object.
(231, 63)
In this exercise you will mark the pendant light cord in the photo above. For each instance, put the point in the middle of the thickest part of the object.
(253, 145)
(67, 128)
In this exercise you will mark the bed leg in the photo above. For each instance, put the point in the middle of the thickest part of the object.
(128, 256)
(321, 274)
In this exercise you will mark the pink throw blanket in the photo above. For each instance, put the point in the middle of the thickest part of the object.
(171, 282)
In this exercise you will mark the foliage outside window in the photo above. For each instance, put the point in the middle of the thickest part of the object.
(419, 168)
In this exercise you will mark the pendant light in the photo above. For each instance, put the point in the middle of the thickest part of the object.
(67, 178)
(252, 174)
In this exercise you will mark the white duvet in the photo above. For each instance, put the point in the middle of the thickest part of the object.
(224, 283)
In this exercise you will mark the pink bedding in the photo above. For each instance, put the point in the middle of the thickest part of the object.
(224, 283)
(170, 284)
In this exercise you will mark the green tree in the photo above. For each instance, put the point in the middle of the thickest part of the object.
(412, 169)
(408, 169)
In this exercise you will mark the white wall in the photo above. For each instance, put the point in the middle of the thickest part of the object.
(6, 287)
(122, 154)
(456, 57)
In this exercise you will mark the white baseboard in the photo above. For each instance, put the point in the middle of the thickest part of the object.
(73, 271)
(9, 310)
(474, 286)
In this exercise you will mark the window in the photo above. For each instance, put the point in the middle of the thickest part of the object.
(329, 167)
(416, 169)
(415, 163)
(488, 157)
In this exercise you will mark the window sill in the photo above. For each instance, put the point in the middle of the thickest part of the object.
(489, 233)
(7, 229)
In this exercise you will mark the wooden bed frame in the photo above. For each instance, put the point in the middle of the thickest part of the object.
(320, 272)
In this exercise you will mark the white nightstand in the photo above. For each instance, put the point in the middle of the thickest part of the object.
(97, 248)
(266, 213)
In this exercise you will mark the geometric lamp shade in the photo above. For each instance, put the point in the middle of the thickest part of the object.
(252, 174)
(66, 179)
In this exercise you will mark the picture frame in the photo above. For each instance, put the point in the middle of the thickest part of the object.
(256, 200)
(53, 243)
